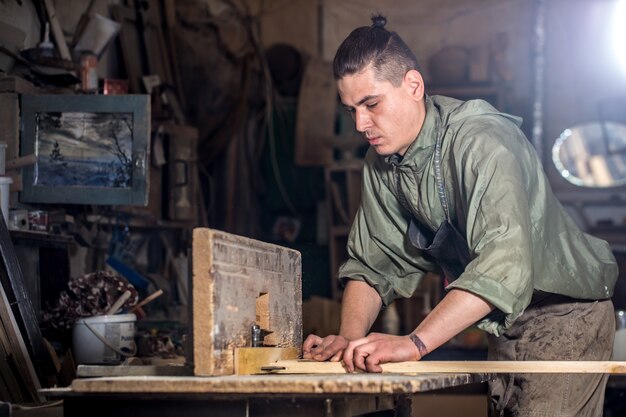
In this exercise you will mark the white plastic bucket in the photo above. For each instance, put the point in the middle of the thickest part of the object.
(104, 339)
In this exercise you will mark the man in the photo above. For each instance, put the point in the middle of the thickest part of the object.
(455, 188)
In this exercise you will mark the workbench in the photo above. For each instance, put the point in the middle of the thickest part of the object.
(238, 284)
(330, 395)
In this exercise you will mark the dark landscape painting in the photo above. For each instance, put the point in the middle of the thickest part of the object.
(84, 149)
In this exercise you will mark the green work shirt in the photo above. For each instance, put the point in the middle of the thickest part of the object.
(520, 238)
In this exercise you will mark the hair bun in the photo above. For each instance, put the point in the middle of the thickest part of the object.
(379, 21)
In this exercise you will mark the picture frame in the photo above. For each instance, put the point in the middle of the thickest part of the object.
(89, 149)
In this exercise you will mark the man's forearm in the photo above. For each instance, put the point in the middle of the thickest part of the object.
(359, 308)
(458, 310)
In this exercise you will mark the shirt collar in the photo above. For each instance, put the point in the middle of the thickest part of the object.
(426, 138)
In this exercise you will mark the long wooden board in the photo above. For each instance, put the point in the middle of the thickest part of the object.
(488, 367)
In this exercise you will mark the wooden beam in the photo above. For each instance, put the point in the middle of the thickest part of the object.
(21, 161)
(302, 366)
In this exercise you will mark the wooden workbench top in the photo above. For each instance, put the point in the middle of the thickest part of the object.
(270, 384)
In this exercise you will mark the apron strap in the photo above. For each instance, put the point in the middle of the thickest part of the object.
(441, 189)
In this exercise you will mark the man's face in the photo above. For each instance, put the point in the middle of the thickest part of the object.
(389, 117)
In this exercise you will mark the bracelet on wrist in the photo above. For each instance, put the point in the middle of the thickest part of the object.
(421, 347)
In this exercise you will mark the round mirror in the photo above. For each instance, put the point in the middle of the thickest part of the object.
(592, 154)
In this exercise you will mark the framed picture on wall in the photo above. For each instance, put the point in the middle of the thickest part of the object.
(89, 149)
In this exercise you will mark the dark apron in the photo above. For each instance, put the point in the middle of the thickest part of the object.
(447, 247)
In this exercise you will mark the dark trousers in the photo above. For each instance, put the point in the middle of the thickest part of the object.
(554, 328)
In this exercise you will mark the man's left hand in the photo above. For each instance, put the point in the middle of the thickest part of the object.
(369, 352)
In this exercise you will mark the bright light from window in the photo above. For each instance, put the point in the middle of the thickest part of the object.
(619, 32)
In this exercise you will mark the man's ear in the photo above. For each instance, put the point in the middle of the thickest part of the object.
(414, 83)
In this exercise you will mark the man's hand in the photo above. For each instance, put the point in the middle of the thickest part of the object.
(369, 352)
(321, 349)
(359, 308)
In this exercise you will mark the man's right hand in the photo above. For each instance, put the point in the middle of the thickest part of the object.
(322, 349)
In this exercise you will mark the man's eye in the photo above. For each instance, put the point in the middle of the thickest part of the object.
(350, 110)
(371, 105)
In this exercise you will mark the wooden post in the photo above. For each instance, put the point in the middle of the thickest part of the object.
(230, 273)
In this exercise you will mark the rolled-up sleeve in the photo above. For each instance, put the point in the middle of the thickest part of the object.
(495, 183)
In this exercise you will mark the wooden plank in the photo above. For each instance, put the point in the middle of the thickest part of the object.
(490, 367)
(132, 46)
(169, 10)
(248, 361)
(271, 385)
(17, 350)
(22, 311)
(16, 163)
(154, 41)
(9, 388)
(229, 273)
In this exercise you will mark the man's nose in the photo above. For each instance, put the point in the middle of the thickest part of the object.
(362, 121)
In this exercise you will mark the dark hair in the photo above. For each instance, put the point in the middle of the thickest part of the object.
(390, 57)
